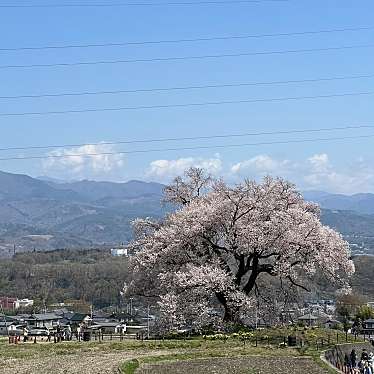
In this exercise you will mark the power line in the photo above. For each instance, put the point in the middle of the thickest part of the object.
(116, 5)
(159, 140)
(188, 40)
(208, 103)
(192, 87)
(186, 148)
(181, 58)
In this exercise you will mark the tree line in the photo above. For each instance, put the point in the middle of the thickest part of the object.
(92, 276)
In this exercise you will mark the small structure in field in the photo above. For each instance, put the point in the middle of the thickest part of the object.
(111, 327)
(368, 326)
(308, 320)
(118, 252)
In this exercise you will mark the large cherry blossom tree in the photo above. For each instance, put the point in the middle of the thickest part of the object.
(213, 250)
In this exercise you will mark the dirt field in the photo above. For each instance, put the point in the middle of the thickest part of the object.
(248, 365)
(107, 363)
(81, 363)
(185, 357)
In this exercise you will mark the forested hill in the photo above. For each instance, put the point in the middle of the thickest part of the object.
(94, 276)
(51, 277)
(47, 214)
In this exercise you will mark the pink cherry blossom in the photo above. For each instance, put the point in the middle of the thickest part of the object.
(221, 240)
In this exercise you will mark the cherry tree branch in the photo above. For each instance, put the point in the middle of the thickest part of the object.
(297, 284)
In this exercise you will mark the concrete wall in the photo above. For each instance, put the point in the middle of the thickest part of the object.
(335, 356)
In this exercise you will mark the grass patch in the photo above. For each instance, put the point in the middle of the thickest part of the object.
(129, 367)
(316, 356)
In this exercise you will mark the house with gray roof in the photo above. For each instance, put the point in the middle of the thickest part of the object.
(49, 320)
(308, 320)
(368, 326)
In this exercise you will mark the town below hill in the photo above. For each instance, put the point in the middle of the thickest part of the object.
(44, 214)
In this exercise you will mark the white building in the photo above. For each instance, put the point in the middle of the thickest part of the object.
(24, 303)
(119, 252)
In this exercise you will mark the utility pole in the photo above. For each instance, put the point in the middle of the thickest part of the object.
(148, 322)
(5, 321)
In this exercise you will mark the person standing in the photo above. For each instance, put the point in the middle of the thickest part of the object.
(68, 332)
(347, 362)
(364, 355)
(79, 330)
(25, 334)
(353, 357)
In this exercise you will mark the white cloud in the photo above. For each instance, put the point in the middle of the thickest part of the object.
(261, 164)
(358, 176)
(315, 172)
(88, 160)
(167, 169)
(318, 171)
(319, 162)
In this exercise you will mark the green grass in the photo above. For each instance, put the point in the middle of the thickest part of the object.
(129, 367)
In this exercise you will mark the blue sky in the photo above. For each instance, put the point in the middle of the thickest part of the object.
(334, 166)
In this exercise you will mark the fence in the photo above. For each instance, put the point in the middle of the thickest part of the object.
(100, 336)
(81, 337)
(298, 339)
(336, 356)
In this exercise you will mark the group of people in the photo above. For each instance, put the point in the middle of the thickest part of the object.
(58, 334)
(359, 365)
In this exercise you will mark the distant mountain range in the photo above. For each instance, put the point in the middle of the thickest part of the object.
(45, 213)
(360, 203)
(351, 215)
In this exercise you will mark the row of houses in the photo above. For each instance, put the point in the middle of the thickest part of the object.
(106, 323)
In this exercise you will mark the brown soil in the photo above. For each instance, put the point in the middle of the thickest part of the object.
(82, 363)
(247, 365)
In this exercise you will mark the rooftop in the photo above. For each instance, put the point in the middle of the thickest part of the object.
(79, 317)
(308, 317)
(43, 317)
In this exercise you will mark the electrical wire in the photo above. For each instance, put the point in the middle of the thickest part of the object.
(201, 104)
(187, 40)
(207, 137)
(186, 148)
(116, 5)
(192, 87)
(184, 58)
